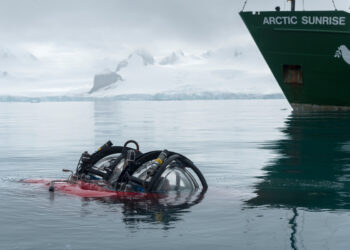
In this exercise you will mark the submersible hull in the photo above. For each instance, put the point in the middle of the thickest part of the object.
(308, 54)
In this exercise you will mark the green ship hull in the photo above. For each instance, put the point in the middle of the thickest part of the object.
(307, 52)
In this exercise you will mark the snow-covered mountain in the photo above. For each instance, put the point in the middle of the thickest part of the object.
(221, 72)
(22, 73)
(173, 58)
(225, 73)
(12, 63)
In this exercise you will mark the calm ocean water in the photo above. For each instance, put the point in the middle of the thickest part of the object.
(277, 180)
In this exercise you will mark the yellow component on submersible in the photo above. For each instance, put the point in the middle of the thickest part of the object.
(160, 162)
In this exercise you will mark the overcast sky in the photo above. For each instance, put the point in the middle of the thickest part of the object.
(123, 25)
(111, 25)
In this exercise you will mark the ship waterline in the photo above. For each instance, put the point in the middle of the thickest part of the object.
(315, 107)
(308, 54)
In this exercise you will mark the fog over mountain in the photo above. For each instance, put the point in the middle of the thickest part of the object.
(115, 47)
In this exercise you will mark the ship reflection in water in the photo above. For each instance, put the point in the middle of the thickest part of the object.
(311, 170)
(312, 167)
